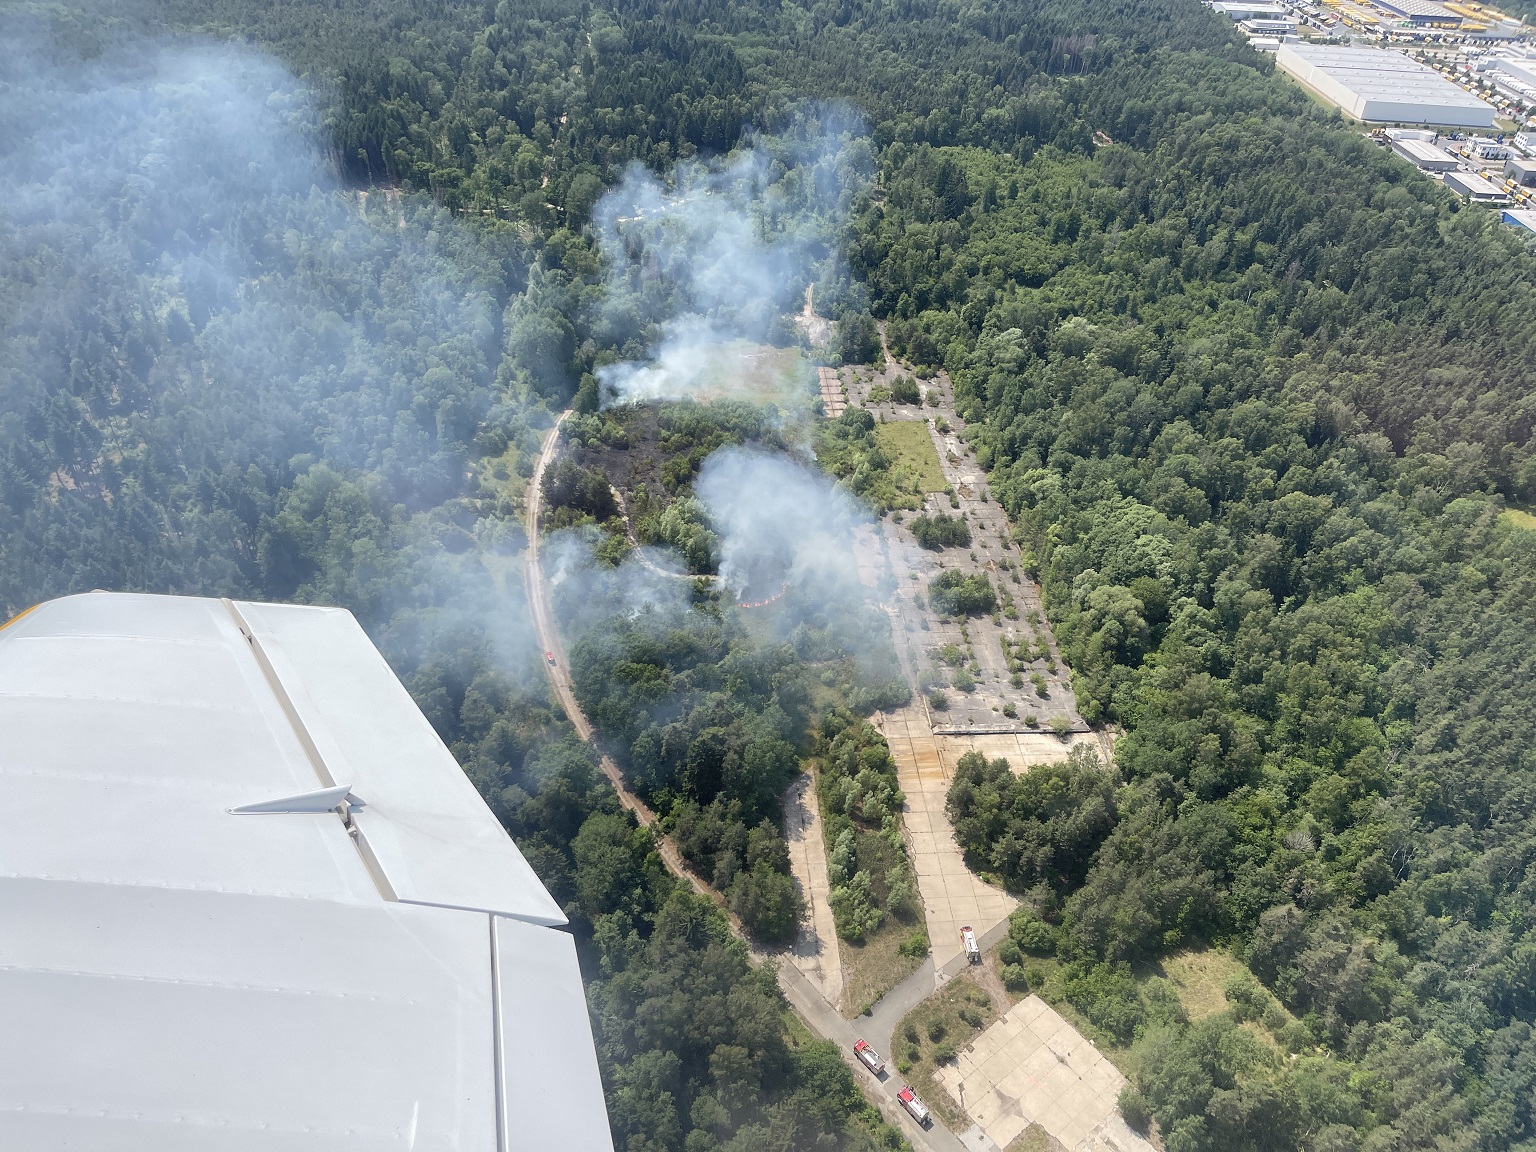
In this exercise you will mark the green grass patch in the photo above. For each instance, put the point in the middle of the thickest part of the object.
(875, 966)
(910, 447)
(1519, 518)
(1198, 977)
(1032, 1139)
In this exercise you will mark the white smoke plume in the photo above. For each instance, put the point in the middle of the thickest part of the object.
(778, 522)
(706, 265)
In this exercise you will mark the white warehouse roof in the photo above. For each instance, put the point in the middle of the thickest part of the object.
(1474, 186)
(1430, 157)
(1521, 69)
(367, 962)
(1382, 87)
(1261, 10)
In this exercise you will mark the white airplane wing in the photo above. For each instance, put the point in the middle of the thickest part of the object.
(248, 900)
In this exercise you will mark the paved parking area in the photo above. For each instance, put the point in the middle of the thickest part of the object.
(952, 894)
(1033, 1067)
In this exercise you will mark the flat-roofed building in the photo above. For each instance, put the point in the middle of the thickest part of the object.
(1476, 188)
(1521, 69)
(1422, 13)
(251, 902)
(1522, 172)
(1520, 218)
(1236, 11)
(1485, 149)
(1430, 157)
(1382, 87)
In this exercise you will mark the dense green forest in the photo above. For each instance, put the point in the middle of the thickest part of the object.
(1257, 396)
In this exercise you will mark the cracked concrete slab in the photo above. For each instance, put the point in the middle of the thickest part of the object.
(952, 894)
(1032, 1066)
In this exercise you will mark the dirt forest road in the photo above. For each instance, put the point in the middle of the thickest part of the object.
(807, 1001)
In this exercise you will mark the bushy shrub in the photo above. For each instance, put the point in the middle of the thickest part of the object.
(1134, 1110)
(1015, 979)
(1107, 995)
(941, 531)
(853, 908)
(1248, 999)
(1028, 933)
(953, 593)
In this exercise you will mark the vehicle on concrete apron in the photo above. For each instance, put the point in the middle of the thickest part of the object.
(972, 949)
(868, 1057)
(914, 1105)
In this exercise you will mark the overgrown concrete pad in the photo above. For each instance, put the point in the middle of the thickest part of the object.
(1032, 1066)
(952, 894)
(1020, 749)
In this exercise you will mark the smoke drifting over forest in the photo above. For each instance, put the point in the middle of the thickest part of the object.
(723, 249)
(240, 381)
(779, 522)
(250, 381)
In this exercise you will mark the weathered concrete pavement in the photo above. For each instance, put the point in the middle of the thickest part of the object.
(953, 895)
(1031, 1066)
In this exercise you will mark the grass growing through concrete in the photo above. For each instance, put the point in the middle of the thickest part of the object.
(1033, 1139)
(934, 1032)
(1199, 979)
(911, 448)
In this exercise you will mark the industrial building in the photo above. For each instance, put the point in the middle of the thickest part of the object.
(251, 902)
(1486, 149)
(1520, 218)
(1430, 157)
(1381, 87)
(1522, 172)
(1237, 12)
(1476, 188)
(1422, 13)
(1521, 69)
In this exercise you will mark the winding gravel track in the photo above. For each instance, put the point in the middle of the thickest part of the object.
(803, 996)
